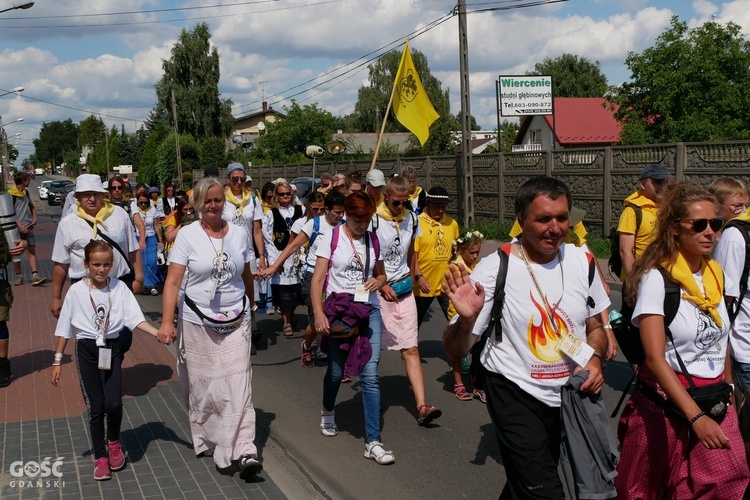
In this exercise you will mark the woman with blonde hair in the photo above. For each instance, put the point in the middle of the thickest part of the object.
(214, 331)
(732, 195)
(677, 443)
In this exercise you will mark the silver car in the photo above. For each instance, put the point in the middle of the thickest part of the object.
(44, 190)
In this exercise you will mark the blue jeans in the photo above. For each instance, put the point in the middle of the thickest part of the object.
(369, 378)
(741, 373)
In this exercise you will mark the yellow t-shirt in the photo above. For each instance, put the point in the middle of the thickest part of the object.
(435, 248)
(576, 234)
(459, 260)
(649, 211)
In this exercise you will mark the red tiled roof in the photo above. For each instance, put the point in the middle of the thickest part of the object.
(581, 121)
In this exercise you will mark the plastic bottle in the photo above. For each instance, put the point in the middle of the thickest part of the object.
(615, 318)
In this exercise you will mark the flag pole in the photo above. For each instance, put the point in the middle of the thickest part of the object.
(382, 128)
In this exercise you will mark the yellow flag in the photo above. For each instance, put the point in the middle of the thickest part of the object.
(411, 105)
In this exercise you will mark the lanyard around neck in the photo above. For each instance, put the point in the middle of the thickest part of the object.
(550, 310)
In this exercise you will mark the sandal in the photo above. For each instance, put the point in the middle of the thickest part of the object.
(375, 451)
(480, 395)
(288, 330)
(461, 393)
(328, 424)
(428, 413)
(346, 379)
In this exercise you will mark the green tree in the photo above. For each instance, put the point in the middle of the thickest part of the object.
(692, 85)
(508, 132)
(54, 139)
(193, 73)
(372, 101)
(91, 130)
(132, 145)
(213, 153)
(285, 140)
(166, 164)
(12, 153)
(150, 155)
(97, 159)
(573, 76)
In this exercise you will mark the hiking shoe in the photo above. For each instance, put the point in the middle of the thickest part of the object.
(249, 466)
(116, 458)
(428, 413)
(19, 280)
(307, 358)
(5, 373)
(101, 469)
(37, 280)
(328, 423)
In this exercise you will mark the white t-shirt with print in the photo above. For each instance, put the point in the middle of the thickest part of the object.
(702, 344)
(730, 253)
(200, 254)
(346, 272)
(250, 213)
(309, 228)
(287, 276)
(395, 240)
(79, 316)
(527, 355)
(148, 219)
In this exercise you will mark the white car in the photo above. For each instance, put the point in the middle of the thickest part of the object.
(44, 189)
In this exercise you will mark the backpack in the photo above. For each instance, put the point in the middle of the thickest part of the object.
(629, 337)
(476, 370)
(615, 261)
(414, 223)
(744, 228)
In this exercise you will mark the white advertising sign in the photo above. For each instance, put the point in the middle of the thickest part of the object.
(124, 169)
(525, 95)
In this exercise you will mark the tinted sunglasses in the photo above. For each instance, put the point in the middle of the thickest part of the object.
(397, 203)
(144, 203)
(236, 178)
(700, 225)
(116, 188)
(288, 193)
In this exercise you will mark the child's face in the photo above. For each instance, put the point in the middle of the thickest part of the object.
(470, 254)
(99, 265)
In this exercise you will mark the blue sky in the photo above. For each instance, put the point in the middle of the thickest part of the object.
(110, 68)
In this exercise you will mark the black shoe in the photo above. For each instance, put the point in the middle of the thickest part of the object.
(253, 350)
(5, 373)
(256, 336)
(249, 466)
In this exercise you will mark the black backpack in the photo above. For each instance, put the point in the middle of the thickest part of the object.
(615, 261)
(744, 228)
(477, 371)
(629, 337)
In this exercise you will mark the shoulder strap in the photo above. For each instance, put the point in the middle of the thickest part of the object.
(414, 224)
(297, 212)
(744, 228)
(672, 289)
(375, 222)
(316, 230)
(592, 274)
(496, 314)
(334, 243)
(375, 245)
(114, 245)
(638, 217)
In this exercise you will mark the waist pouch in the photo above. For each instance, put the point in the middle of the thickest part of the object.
(713, 399)
(402, 286)
(222, 323)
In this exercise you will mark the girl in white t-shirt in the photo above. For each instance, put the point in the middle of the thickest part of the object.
(96, 309)
(343, 271)
(697, 453)
(329, 212)
(149, 215)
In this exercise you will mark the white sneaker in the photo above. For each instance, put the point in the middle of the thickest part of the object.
(327, 423)
(375, 451)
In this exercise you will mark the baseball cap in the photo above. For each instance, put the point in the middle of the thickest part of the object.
(375, 177)
(655, 171)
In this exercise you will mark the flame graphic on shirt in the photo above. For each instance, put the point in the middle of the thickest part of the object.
(542, 338)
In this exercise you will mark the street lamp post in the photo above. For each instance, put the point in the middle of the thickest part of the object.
(23, 6)
(5, 151)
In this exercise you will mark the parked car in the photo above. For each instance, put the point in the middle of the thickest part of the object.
(44, 189)
(304, 186)
(57, 191)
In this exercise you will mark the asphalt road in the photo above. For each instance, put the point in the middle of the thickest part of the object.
(456, 457)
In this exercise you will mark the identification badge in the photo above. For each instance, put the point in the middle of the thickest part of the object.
(361, 294)
(576, 349)
(105, 358)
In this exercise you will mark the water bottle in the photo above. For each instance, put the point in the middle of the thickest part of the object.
(615, 318)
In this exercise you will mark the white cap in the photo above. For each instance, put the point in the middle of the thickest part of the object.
(89, 183)
(375, 177)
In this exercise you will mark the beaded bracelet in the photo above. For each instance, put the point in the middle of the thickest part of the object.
(695, 418)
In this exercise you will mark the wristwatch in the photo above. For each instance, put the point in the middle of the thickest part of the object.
(417, 276)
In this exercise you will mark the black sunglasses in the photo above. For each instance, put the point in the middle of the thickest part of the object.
(397, 203)
(236, 178)
(700, 225)
(115, 188)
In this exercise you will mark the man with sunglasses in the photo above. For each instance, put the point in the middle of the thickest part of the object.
(636, 227)
(397, 228)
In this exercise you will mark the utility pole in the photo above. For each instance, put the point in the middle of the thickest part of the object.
(177, 141)
(465, 173)
(106, 145)
(5, 155)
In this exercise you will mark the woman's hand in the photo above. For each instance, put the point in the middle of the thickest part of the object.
(388, 294)
(372, 285)
(710, 434)
(268, 272)
(166, 334)
(142, 244)
(54, 375)
(611, 344)
(423, 284)
(321, 324)
(56, 306)
(138, 286)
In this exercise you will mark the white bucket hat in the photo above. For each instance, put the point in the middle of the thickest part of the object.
(89, 183)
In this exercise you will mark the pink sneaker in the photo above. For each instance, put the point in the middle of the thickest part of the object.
(116, 458)
(101, 469)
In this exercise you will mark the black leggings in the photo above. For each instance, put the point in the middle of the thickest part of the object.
(423, 305)
(102, 392)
